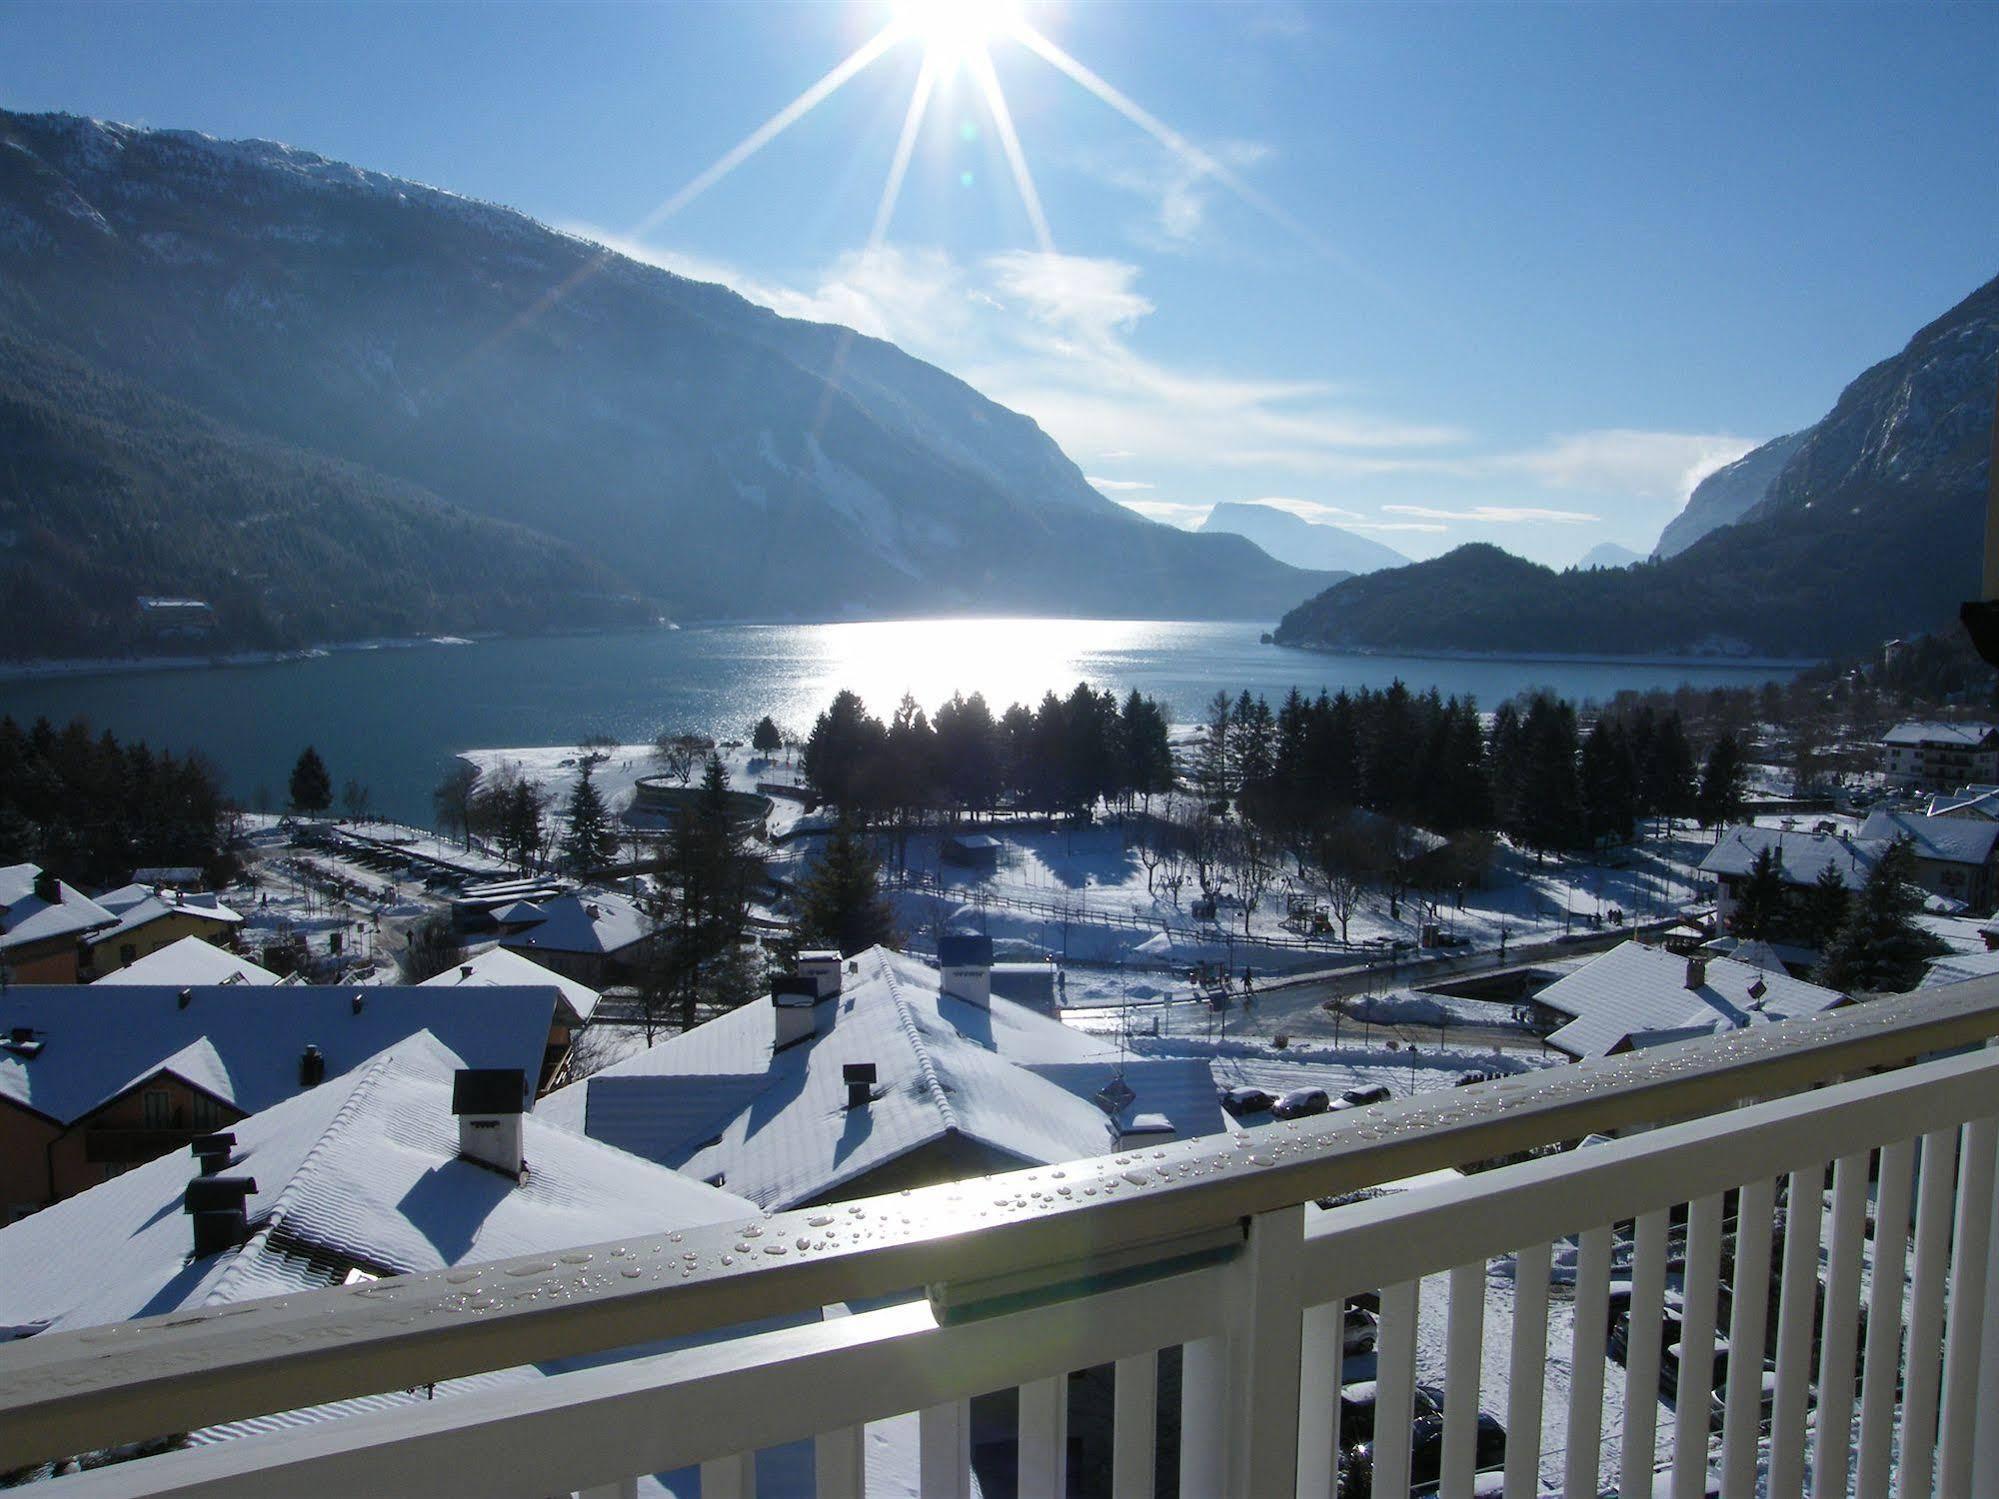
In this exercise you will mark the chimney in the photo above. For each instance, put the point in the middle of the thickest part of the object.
(860, 1080)
(464, 971)
(967, 964)
(1696, 973)
(216, 1203)
(359, 1001)
(212, 1151)
(822, 966)
(311, 1068)
(48, 888)
(183, 999)
(791, 1000)
(489, 1102)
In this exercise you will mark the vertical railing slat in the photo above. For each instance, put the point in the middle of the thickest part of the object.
(1583, 1456)
(1264, 1356)
(839, 1463)
(1203, 1401)
(1135, 1426)
(1043, 1452)
(1936, 1184)
(1748, 1325)
(624, 1488)
(1970, 1257)
(1320, 1362)
(1881, 1362)
(1395, 1386)
(730, 1477)
(1464, 1334)
(1641, 1353)
(1797, 1310)
(1832, 1452)
(1693, 1383)
(944, 1450)
(1527, 1371)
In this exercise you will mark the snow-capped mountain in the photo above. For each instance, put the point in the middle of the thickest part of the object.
(716, 457)
(1297, 540)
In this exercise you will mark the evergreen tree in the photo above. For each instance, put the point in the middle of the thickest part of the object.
(311, 786)
(1879, 949)
(591, 841)
(1719, 801)
(840, 900)
(699, 961)
(1825, 907)
(1759, 906)
(1609, 783)
(766, 738)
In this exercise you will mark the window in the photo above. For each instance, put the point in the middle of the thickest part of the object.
(128, 952)
(207, 1112)
(159, 1107)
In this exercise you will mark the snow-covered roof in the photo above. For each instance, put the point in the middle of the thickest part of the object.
(594, 922)
(1928, 731)
(775, 1124)
(243, 1044)
(1948, 840)
(500, 966)
(360, 1172)
(190, 961)
(1636, 996)
(1955, 968)
(1801, 857)
(136, 906)
(1970, 801)
(26, 918)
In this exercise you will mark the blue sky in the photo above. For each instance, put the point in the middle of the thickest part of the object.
(1506, 273)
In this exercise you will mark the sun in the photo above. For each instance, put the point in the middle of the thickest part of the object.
(953, 31)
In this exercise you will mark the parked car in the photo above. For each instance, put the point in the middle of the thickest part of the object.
(1300, 1102)
(1242, 1101)
(1360, 1098)
(1360, 1331)
(1426, 1450)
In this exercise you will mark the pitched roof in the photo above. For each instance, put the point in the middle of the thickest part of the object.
(1802, 857)
(1929, 731)
(362, 1171)
(1967, 801)
(720, 1098)
(138, 906)
(1948, 840)
(26, 918)
(241, 1043)
(1957, 967)
(503, 967)
(598, 922)
(190, 961)
(1636, 996)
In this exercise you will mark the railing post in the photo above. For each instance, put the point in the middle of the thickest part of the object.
(1204, 1382)
(1263, 1357)
(624, 1488)
(839, 1457)
(944, 1450)
(1969, 1277)
(1135, 1427)
(1044, 1438)
(1320, 1356)
(730, 1477)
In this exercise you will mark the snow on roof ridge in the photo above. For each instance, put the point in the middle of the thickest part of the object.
(907, 1017)
(217, 1293)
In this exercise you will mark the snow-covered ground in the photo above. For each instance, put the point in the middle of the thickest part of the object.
(556, 769)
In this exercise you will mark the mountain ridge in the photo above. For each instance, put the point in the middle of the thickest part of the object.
(1312, 543)
(715, 456)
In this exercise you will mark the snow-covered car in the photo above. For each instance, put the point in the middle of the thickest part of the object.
(1360, 1330)
(1241, 1101)
(1360, 1098)
(1300, 1102)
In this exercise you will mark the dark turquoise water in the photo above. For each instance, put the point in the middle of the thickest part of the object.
(393, 718)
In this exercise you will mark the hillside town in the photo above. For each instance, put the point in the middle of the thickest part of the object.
(646, 988)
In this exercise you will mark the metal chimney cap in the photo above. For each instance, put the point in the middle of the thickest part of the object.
(488, 1090)
(213, 1194)
(858, 1072)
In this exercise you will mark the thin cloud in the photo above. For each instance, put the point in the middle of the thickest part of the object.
(1109, 485)
(1496, 515)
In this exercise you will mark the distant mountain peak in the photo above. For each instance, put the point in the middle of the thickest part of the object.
(1291, 538)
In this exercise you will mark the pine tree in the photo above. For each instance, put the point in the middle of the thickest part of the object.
(1720, 798)
(766, 738)
(1759, 907)
(1825, 907)
(840, 900)
(591, 841)
(1879, 949)
(311, 785)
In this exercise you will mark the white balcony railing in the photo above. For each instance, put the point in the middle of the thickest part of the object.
(1216, 1247)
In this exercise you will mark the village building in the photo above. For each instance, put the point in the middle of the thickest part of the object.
(150, 918)
(99, 1079)
(192, 961)
(1956, 857)
(1971, 800)
(503, 968)
(880, 1074)
(43, 924)
(593, 937)
(1930, 755)
(383, 1170)
(1636, 996)
(1802, 859)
